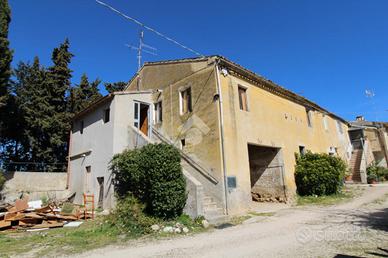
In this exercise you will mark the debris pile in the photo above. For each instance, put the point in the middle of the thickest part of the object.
(34, 215)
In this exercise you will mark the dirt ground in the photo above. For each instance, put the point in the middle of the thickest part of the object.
(356, 228)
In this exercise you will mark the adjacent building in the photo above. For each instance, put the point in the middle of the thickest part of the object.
(237, 132)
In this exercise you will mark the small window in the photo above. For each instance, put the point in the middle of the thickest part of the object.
(106, 115)
(309, 120)
(185, 101)
(302, 150)
(183, 143)
(158, 112)
(325, 122)
(82, 126)
(340, 130)
(242, 97)
(88, 169)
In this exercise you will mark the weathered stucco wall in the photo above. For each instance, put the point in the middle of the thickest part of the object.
(199, 129)
(276, 122)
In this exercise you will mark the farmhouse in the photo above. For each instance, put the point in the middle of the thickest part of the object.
(237, 133)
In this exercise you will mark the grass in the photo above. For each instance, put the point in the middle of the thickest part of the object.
(346, 194)
(88, 236)
(66, 241)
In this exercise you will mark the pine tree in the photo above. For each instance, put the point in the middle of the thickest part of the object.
(34, 113)
(84, 94)
(5, 52)
(115, 86)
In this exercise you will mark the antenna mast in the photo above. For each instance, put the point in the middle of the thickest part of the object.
(142, 48)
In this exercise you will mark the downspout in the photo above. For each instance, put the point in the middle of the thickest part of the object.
(221, 121)
(68, 162)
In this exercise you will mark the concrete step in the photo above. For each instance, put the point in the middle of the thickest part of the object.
(213, 213)
(208, 199)
(210, 206)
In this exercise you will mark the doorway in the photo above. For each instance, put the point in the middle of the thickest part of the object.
(266, 174)
(100, 181)
(141, 117)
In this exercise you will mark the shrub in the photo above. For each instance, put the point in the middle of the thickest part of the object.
(376, 173)
(153, 174)
(129, 216)
(319, 174)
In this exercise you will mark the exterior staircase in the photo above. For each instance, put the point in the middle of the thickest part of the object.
(355, 163)
(212, 212)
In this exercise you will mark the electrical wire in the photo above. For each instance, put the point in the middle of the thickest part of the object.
(148, 28)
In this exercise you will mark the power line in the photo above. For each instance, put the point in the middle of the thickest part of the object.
(148, 28)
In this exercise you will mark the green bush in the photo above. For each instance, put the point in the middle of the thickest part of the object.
(129, 215)
(153, 174)
(319, 174)
(376, 173)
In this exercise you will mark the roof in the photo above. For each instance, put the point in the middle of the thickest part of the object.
(257, 79)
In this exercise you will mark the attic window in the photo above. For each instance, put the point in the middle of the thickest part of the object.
(185, 101)
(242, 97)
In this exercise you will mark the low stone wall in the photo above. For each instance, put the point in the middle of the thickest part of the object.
(36, 184)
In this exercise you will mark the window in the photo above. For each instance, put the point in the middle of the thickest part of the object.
(82, 126)
(339, 126)
(242, 97)
(185, 101)
(106, 115)
(158, 112)
(88, 169)
(183, 143)
(325, 122)
(309, 120)
(302, 150)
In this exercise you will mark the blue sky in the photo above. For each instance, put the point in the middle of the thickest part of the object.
(327, 51)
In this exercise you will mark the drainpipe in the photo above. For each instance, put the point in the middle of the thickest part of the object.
(68, 162)
(222, 136)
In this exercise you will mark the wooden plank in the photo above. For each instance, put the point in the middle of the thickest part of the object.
(48, 225)
(5, 224)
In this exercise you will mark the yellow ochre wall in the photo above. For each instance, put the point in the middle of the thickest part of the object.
(271, 121)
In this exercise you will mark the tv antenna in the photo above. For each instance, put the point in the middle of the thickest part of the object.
(143, 26)
(370, 95)
(142, 48)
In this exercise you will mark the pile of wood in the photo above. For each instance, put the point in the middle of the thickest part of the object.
(33, 216)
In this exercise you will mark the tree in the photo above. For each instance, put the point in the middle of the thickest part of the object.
(115, 86)
(58, 81)
(32, 97)
(84, 94)
(5, 52)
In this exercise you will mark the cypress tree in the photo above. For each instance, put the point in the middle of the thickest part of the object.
(58, 81)
(5, 52)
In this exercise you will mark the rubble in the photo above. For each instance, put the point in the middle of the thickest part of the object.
(33, 215)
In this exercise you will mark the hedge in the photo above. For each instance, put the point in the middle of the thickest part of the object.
(319, 174)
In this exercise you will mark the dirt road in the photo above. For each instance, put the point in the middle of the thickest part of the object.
(358, 227)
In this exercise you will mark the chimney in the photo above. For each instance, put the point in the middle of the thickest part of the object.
(360, 118)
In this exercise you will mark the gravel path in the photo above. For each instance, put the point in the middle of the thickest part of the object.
(359, 228)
